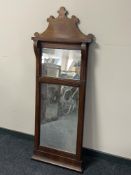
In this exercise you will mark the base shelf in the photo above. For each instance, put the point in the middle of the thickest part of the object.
(77, 168)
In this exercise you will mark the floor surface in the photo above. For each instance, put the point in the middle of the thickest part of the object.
(15, 159)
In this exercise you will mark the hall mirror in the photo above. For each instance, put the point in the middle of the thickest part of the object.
(61, 67)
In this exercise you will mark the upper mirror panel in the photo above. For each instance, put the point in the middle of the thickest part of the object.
(61, 63)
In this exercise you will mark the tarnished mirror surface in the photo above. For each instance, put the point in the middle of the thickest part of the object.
(59, 117)
(61, 63)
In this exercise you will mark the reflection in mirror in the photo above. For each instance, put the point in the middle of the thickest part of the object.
(59, 117)
(61, 63)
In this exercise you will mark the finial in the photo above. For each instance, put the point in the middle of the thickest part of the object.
(62, 12)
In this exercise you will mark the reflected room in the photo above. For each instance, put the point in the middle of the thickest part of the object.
(59, 103)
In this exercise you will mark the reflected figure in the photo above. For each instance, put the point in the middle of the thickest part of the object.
(69, 100)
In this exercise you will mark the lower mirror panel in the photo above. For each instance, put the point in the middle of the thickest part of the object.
(59, 117)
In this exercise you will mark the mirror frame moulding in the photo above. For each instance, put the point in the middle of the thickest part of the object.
(62, 32)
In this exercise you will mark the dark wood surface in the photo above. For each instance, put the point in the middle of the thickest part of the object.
(52, 80)
(59, 161)
(62, 33)
(63, 29)
(56, 45)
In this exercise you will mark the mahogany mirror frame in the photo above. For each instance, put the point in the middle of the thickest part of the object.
(61, 33)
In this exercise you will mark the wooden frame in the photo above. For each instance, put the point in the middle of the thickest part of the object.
(62, 33)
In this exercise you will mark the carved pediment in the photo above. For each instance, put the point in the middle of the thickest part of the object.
(63, 29)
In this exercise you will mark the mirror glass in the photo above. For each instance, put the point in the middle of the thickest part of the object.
(59, 117)
(61, 63)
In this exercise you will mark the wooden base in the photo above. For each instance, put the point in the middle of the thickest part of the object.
(65, 164)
